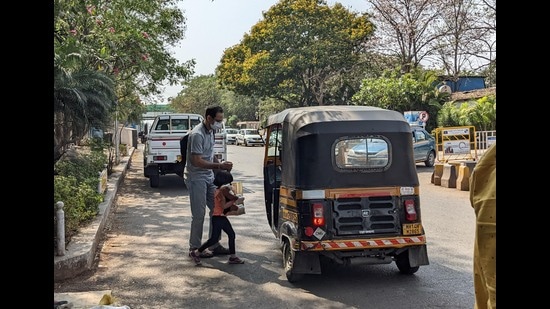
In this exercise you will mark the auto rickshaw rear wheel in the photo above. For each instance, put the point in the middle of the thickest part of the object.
(404, 265)
(289, 257)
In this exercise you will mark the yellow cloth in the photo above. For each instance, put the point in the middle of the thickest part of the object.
(483, 199)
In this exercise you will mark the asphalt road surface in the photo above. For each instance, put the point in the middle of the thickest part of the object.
(143, 258)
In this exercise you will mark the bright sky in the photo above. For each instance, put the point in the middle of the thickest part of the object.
(213, 26)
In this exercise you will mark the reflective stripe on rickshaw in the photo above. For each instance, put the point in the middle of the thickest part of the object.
(363, 244)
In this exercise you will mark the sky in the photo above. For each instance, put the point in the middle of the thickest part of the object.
(213, 26)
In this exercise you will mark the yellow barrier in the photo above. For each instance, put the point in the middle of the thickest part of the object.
(436, 175)
(448, 179)
(463, 179)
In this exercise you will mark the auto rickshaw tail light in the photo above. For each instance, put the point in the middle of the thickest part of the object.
(410, 210)
(318, 214)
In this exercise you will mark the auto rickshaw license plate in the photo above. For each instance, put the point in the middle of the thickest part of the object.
(412, 229)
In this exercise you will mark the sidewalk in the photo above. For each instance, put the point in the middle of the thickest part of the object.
(82, 300)
(81, 251)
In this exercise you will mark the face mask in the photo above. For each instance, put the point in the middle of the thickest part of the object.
(217, 126)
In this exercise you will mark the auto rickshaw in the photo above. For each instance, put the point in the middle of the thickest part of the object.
(341, 187)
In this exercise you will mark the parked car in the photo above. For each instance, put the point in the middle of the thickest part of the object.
(367, 149)
(424, 146)
(231, 135)
(249, 137)
(375, 150)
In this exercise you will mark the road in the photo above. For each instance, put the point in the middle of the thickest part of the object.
(143, 258)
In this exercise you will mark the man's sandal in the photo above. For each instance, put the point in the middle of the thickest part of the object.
(235, 260)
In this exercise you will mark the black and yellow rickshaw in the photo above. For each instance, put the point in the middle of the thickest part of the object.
(341, 186)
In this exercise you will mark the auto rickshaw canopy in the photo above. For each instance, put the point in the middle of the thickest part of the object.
(309, 136)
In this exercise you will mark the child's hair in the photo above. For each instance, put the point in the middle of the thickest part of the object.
(222, 178)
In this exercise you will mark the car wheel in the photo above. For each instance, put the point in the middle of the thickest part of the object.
(154, 181)
(403, 264)
(430, 161)
(288, 263)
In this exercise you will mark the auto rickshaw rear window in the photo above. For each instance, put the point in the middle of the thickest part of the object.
(370, 152)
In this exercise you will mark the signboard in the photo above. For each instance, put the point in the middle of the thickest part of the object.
(456, 147)
(457, 131)
(418, 118)
(457, 143)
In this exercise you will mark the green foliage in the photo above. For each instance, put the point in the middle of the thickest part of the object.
(202, 91)
(297, 54)
(75, 184)
(84, 167)
(414, 91)
(199, 93)
(81, 203)
(111, 51)
(82, 98)
(129, 39)
(479, 113)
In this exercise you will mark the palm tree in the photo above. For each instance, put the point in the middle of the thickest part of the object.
(82, 98)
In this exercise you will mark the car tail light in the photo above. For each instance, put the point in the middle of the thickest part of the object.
(318, 214)
(410, 210)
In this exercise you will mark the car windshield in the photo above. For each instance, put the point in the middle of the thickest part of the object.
(231, 131)
(250, 131)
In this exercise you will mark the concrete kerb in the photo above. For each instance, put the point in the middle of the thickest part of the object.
(80, 252)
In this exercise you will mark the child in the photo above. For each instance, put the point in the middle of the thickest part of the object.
(224, 200)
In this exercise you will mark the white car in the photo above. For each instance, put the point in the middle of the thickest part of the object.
(231, 135)
(249, 137)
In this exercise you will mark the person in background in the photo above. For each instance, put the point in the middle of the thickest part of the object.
(199, 178)
(483, 199)
(224, 200)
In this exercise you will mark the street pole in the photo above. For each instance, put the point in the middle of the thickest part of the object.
(117, 139)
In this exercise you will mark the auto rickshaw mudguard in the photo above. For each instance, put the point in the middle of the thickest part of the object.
(304, 262)
(418, 255)
(289, 230)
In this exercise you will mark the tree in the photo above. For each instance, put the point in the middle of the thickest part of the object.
(296, 53)
(405, 29)
(480, 113)
(468, 42)
(203, 91)
(414, 91)
(127, 40)
(454, 36)
(197, 94)
(82, 98)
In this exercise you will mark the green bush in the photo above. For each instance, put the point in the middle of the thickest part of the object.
(75, 184)
(480, 113)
